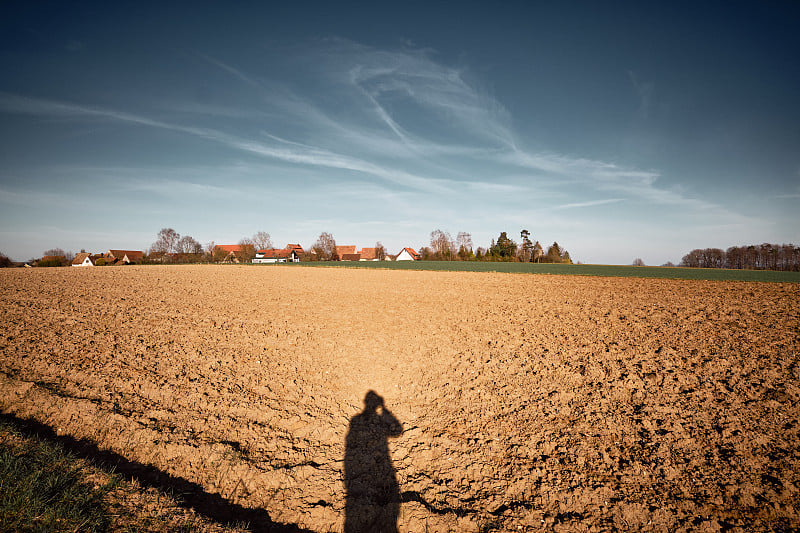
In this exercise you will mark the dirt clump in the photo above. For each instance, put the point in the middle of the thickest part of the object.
(524, 401)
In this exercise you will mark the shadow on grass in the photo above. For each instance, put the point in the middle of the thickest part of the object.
(189, 495)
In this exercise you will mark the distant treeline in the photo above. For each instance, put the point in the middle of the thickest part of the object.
(754, 257)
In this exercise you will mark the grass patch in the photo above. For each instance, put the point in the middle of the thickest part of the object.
(617, 271)
(44, 488)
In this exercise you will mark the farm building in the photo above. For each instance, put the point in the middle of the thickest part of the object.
(229, 253)
(297, 249)
(124, 257)
(368, 254)
(407, 254)
(273, 255)
(83, 259)
(341, 251)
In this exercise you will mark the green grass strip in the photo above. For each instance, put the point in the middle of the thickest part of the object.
(617, 271)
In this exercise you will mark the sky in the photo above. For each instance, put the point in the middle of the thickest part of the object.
(619, 130)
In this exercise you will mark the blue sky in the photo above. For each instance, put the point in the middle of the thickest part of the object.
(619, 131)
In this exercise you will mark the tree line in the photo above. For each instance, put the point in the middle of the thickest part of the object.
(444, 248)
(172, 247)
(753, 257)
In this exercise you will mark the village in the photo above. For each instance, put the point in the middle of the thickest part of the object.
(223, 253)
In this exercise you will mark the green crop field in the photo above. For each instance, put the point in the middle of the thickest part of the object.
(620, 271)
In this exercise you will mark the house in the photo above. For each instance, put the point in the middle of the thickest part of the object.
(273, 255)
(83, 259)
(229, 253)
(297, 249)
(407, 254)
(124, 257)
(369, 254)
(341, 251)
(350, 257)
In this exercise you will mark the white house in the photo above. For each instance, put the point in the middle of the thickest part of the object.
(83, 259)
(407, 254)
(272, 255)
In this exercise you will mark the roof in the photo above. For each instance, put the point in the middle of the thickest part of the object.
(81, 257)
(341, 251)
(411, 252)
(133, 255)
(350, 257)
(274, 253)
(53, 258)
(296, 247)
(369, 253)
(229, 247)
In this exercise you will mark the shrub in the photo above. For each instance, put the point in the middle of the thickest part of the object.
(100, 262)
(50, 263)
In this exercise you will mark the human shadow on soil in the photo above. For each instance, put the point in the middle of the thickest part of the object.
(189, 495)
(373, 494)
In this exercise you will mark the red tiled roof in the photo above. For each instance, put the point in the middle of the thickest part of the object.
(344, 250)
(411, 252)
(53, 257)
(296, 247)
(274, 253)
(350, 257)
(229, 247)
(369, 253)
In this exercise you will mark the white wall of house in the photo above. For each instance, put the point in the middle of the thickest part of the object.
(404, 256)
(86, 263)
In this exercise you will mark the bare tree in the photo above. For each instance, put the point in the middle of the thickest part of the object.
(538, 252)
(325, 247)
(55, 252)
(187, 245)
(166, 241)
(638, 262)
(262, 240)
(247, 250)
(442, 245)
(464, 245)
(380, 251)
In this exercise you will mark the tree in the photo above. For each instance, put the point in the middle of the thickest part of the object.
(187, 245)
(638, 262)
(5, 262)
(247, 250)
(380, 251)
(538, 252)
(464, 245)
(262, 240)
(325, 247)
(442, 245)
(166, 241)
(553, 254)
(55, 251)
(526, 247)
(504, 249)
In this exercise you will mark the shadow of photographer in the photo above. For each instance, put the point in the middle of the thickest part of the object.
(373, 493)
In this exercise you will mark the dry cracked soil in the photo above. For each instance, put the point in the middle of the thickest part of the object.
(334, 399)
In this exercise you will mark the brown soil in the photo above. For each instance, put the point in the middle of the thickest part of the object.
(526, 401)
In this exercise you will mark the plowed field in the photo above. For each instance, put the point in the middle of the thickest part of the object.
(499, 401)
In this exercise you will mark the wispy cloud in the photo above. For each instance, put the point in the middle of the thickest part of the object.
(591, 203)
(293, 154)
